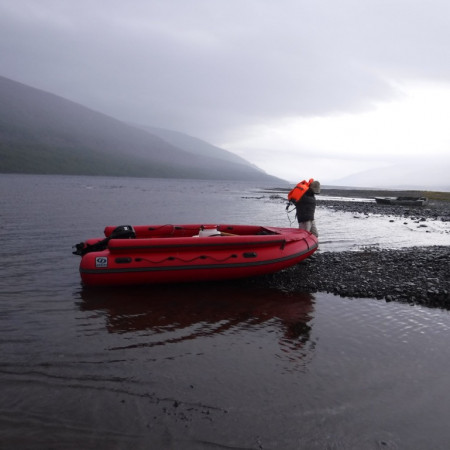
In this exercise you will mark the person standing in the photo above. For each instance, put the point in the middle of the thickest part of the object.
(306, 209)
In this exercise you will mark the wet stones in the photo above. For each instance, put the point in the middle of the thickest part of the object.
(418, 275)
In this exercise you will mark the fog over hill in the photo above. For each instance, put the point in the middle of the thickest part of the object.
(428, 176)
(196, 146)
(43, 133)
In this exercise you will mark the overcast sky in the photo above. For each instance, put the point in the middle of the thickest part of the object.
(301, 88)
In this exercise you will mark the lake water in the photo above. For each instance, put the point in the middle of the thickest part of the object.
(204, 366)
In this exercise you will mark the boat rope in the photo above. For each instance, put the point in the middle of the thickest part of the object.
(288, 216)
(174, 227)
(177, 258)
(167, 225)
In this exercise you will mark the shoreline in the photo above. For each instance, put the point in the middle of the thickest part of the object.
(416, 275)
(437, 208)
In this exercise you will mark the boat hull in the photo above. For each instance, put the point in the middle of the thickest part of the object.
(173, 254)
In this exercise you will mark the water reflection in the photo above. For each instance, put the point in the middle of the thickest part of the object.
(172, 314)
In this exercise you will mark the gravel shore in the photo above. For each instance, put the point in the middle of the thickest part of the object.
(418, 275)
(413, 275)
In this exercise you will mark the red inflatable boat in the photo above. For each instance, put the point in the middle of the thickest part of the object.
(177, 253)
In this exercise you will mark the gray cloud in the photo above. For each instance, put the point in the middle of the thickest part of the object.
(205, 67)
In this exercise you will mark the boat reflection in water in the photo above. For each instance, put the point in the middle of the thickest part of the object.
(170, 314)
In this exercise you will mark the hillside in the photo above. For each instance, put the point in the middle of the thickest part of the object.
(196, 146)
(43, 133)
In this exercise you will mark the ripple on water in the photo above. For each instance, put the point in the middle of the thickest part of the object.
(229, 365)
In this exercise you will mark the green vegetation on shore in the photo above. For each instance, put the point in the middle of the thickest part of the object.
(441, 196)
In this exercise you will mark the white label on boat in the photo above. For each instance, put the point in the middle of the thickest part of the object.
(101, 261)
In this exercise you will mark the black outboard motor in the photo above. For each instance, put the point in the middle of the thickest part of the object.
(121, 232)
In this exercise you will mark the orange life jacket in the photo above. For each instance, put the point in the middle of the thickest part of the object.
(297, 193)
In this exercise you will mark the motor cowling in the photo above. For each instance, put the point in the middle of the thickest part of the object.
(121, 232)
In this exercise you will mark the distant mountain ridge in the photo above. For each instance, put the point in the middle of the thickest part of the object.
(195, 145)
(428, 176)
(44, 133)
